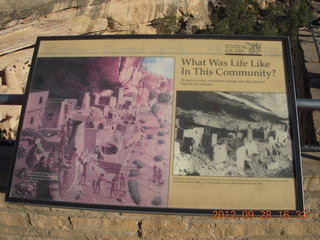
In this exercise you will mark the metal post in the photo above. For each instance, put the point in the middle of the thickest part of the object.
(317, 43)
(308, 103)
(11, 99)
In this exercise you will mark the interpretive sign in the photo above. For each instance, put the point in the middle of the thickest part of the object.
(176, 124)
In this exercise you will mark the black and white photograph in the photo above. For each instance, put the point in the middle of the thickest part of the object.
(232, 134)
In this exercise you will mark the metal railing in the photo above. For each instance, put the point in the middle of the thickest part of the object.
(308, 104)
(17, 99)
(315, 37)
(302, 103)
(11, 99)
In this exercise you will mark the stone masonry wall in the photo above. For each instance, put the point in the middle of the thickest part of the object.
(18, 221)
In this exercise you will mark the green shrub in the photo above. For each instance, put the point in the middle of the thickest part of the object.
(149, 136)
(158, 158)
(161, 133)
(133, 188)
(157, 200)
(161, 141)
(155, 109)
(164, 97)
(138, 164)
(134, 173)
(152, 95)
(280, 18)
(167, 25)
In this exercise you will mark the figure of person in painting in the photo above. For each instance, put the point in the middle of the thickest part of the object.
(117, 179)
(66, 110)
(122, 182)
(266, 131)
(271, 146)
(39, 145)
(42, 186)
(63, 131)
(100, 155)
(58, 161)
(41, 166)
(159, 176)
(65, 179)
(31, 157)
(83, 178)
(33, 154)
(113, 188)
(50, 160)
(93, 185)
(97, 185)
(249, 132)
(54, 153)
(121, 196)
(69, 127)
(155, 171)
(21, 174)
(61, 146)
(54, 161)
(23, 189)
(73, 155)
(78, 193)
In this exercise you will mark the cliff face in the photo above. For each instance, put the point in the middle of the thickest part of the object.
(122, 11)
(22, 21)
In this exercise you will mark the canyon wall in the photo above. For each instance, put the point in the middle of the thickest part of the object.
(22, 21)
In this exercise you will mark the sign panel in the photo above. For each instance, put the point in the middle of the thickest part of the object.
(171, 124)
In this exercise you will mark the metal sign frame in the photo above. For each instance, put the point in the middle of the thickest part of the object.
(51, 165)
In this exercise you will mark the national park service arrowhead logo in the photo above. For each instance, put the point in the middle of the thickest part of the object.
(247, 49)
(255, 48)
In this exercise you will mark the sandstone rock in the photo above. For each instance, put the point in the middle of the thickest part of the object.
(15, 90)
(145, 29)
(9, 116)
(125, 12)
(25, 35)
(16, 74)
(265, 3)
(22, 55)
(129, 12)
(13, 219)
(92, 17)
(43, 221)
(12, 12)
